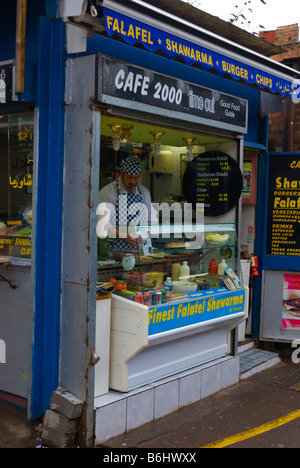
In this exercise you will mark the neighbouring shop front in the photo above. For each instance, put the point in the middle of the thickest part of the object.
(17, 140)
(280, 250)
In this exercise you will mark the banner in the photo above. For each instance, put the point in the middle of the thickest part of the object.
(203, 306)
(153, 39)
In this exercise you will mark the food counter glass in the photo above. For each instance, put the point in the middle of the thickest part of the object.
(158, 330)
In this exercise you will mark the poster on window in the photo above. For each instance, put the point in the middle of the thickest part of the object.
(291, 301)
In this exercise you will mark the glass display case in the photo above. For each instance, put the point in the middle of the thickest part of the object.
(177, 297)
(195, 258)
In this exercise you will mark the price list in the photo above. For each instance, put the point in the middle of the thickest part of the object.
(283, 234)
(12, 246)
(214, 180)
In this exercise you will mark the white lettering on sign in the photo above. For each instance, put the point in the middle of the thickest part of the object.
(139, 84)
(198, 102)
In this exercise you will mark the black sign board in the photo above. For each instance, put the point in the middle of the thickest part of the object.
(283, 233)
(215, 180)
(6, 83)
(188, 101)
(13, 246)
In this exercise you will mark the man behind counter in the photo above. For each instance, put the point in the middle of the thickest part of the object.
(126, 194)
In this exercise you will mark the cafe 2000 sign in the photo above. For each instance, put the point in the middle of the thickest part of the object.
(123, 83)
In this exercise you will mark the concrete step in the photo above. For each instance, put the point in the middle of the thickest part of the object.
(256, 360)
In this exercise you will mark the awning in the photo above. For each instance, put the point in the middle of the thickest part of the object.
(140, 23)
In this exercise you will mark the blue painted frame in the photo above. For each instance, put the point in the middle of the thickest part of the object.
(48, 235)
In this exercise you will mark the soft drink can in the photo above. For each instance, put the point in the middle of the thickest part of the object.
(139, 298)
(163, 297)
(158, 297)
(153, 298)
(147, 299)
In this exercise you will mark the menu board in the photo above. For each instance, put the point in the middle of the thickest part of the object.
(283, 234)
(215, 180)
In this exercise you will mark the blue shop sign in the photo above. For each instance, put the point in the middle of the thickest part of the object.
(154, 39)
(202, 307)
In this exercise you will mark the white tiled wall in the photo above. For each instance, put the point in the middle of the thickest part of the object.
(117, 413)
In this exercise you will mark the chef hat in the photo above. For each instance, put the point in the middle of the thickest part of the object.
(131, 165)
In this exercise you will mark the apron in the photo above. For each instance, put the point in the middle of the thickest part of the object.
(123, 214)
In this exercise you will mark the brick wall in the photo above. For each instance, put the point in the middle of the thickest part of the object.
(284, 128)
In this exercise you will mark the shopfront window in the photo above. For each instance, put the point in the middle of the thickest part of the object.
(16, 179)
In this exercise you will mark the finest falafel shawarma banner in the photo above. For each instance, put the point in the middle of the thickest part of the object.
(203, 306)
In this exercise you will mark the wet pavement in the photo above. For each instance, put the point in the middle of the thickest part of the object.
(16, 431)
(262, 398)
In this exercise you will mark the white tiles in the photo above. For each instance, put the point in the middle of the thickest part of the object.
(140, 409)
(190, 389)
(166, 398)
(117, 413)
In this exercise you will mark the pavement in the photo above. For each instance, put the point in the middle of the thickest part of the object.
(269, 389)
(16, 431)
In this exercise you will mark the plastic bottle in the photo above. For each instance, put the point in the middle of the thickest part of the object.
(184, 271)
(168, 288)
(175, 271)
(213, 266)
(222, 267)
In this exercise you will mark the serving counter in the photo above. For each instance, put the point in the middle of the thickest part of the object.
(153, 337)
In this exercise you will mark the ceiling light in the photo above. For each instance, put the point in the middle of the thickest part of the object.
(116, 135)
(189, 143)
(157, 141)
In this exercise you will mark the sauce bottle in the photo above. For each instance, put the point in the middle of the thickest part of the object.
(175, 271)
(213, 266)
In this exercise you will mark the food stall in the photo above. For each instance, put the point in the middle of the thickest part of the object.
(195, 180)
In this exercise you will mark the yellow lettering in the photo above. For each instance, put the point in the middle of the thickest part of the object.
(131, 31)
(149, 38)
(144, 35)
(295, 165)
(122, 29)
(109, 21)
(137, 32)
(116, 26)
